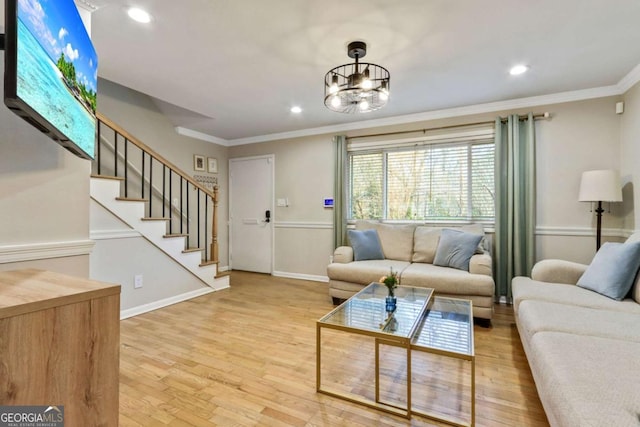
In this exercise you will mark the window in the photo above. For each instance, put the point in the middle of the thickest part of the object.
(429, 182)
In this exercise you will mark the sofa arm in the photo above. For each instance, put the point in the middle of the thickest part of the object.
(343, 255)
(558, 271)
(481, 264)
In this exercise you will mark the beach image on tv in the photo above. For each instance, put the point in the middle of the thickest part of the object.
(57, 68)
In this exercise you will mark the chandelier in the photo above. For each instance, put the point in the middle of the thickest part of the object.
(359, 87)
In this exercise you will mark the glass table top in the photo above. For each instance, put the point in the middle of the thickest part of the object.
(447, 326)
(366, 310)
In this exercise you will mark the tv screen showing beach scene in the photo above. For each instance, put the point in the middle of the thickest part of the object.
(56, 71)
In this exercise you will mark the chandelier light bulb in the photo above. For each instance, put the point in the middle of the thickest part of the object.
(383, 95)
(335, 101)
(366, 82)
(334, 85)
(364, 105)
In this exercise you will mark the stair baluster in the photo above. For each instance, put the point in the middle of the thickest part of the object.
(137, 153)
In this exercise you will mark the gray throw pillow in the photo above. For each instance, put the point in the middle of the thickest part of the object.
(365, 244)
(613, 270)
(456, 248)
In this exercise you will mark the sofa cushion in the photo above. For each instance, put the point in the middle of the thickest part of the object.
(364, 272)
(613, 270)
(396, 240)
(536, 316)
(455, 248)
(478, 229)
(586, 381)
(523, 288)
(445, 280)
(635, 289)
(365, 244)
(425, 244)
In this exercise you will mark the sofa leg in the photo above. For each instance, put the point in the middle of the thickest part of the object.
(485, 323)
(337, 301)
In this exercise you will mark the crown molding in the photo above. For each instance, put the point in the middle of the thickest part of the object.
(626, 83)
(201, 136)
(533, 101)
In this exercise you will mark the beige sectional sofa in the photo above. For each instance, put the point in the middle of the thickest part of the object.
(583, 348)
(410, 250)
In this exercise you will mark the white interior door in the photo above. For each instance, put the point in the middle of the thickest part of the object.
(250, 213)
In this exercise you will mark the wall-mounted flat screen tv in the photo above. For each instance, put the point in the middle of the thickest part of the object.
(51, 71)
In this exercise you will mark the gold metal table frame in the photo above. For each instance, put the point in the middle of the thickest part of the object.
(437, 325)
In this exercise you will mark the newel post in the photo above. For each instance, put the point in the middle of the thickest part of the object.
(214, 227)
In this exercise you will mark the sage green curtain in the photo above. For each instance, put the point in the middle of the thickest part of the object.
(515, 201)
(339, 199)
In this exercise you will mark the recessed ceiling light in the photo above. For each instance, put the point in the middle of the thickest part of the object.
(518, 69)
(296, 110)
(139, 15)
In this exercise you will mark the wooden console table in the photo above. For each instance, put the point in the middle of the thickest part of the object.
(59, 345)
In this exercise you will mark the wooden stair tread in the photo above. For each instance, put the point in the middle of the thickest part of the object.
(189, 250)
(118, 178)
(131, 199)
(170, 236)
(155, 219)
(206, 263)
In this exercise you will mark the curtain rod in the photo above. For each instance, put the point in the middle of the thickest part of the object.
(538, 116)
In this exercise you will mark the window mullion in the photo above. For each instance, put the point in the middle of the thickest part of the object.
(385, 184)
(469, 181)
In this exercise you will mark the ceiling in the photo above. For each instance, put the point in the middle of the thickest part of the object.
(233, 69)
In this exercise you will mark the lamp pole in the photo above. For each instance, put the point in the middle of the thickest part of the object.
(599, 212)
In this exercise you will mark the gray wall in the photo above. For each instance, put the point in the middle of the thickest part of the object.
(580, 136)
(630, 156)
(304, 175)
(44, 201)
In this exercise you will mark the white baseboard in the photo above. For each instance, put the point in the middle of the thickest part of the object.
(311, 277)
(145, 308)
(45, 250)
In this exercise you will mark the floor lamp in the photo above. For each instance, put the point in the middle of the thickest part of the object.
(600, 186)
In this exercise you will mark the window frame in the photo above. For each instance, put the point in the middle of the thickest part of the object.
(448, 140)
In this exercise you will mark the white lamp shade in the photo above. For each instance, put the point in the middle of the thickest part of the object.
(600, 186)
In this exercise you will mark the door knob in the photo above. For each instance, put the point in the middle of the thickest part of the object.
(267, 216)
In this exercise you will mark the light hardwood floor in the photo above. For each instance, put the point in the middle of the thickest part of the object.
(246, 357)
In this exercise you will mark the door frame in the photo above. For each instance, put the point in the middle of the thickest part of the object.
(271, 158)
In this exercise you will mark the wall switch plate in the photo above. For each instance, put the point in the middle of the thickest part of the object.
(137, 281)
(283, 203)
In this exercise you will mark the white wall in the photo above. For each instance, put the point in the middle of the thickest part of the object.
(120, 254)
(44, 201)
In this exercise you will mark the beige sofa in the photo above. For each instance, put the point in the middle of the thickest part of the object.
(410, 251)
(583, 348)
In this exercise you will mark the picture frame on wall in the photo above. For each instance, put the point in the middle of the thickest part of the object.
(212, 165)
(198, 162)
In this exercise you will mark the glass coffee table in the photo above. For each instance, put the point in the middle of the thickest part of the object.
(415, 325)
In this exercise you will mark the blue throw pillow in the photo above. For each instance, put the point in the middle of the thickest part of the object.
(456, 248)
(613, 269)
(366, 244)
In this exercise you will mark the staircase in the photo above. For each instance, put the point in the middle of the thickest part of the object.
(157, 199)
